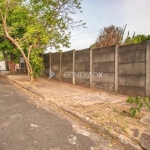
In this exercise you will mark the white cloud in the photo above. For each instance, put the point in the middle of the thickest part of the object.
(100, 13)
(136, 14)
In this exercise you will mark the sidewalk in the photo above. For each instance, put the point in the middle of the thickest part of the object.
(106, 112)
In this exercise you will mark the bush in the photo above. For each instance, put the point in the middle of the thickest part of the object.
(37, 64)
(137, 103)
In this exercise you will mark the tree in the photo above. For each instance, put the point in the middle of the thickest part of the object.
(33, 25)
(110, 35)
(10, 54)
(136, 39)
(92, 45)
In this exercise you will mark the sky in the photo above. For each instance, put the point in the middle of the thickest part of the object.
(98, 14)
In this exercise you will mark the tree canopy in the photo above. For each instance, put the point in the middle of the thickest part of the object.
(113, 35)
(136, 39)
(8, 51)
(110, 35)
(33, 25)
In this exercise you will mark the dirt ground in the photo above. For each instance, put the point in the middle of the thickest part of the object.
(105, 108)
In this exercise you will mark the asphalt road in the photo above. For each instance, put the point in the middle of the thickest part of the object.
(23, 126)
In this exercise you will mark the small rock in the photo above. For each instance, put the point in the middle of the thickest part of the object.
(92, 148)
(109, 106)
(34, 125)
(110, 145)
(145, 141)
(135, 132)
(145, 119)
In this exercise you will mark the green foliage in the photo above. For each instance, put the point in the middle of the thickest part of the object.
(137, 103)
(36, 63)
(8, 47)
(136, 39)
(1, 56)
(92, 46)
(37, 24)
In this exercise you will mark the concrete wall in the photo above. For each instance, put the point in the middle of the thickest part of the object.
(46, 63)
(125, 69)
(55, 65)
(104, 62)
(82, 67)
(132, 69)
(66, 66)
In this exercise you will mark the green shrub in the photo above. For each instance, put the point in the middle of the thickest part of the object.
(137, 103)
(36, 63)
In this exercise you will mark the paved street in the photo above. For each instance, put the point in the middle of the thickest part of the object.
(23, 126)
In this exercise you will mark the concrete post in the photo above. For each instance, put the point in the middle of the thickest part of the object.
(73, 68)
(60, 66)
(148, 68)
(116, 67)
(91, 67)
(50, 55)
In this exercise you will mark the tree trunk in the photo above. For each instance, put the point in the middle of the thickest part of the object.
(12, 64)
(29, 69)
(6, 60)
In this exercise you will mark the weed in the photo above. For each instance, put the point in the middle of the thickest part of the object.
(137, 103)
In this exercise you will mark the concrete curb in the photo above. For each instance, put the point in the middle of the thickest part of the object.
(125, 141)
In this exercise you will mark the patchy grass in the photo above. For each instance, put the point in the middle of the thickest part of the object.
(115, 118)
